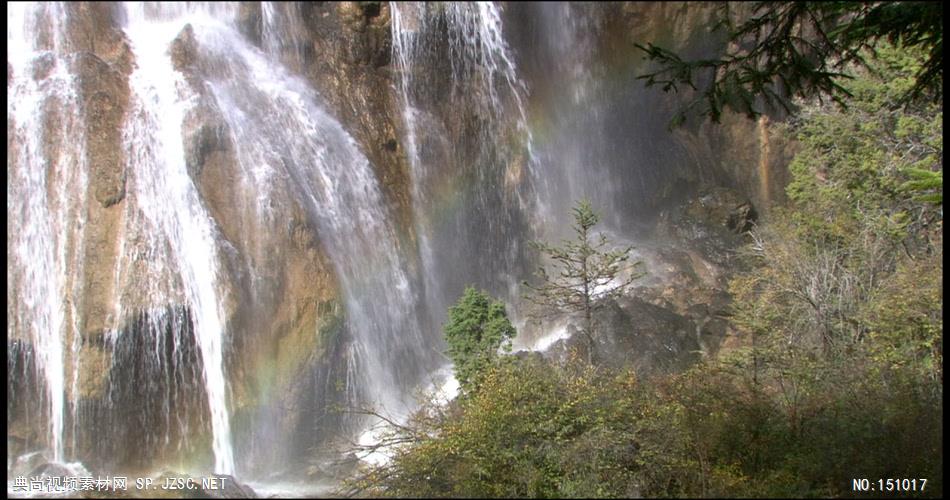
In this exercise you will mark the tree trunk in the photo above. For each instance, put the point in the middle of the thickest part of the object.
(588, 317)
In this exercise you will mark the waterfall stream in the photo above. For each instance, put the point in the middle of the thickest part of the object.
(172, 250)
(470, 206)
(287, 144)
(139, 310)
(170, 202)
(45, 193)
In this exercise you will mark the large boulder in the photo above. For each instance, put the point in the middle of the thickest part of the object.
(677, 313)
(718, 207)
(648, 338)
(25, 464)
(631, 333)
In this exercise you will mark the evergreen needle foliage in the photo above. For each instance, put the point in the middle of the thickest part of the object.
(588, 272)
(801, 49)
(477, 327)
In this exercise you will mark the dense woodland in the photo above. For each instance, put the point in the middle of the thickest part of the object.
(840, 373)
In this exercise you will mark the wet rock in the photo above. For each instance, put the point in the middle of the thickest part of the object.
(753, 155)
(688, 271)
(42, 66)
(105, 97)
(344, 49)
(678, 311)
(94, 363)
(24, 399)
(195, 62)
(719, 207)
(708, 227)
(250, 21)
(101, 248)
(102, 68)
(638, 335)
(27, 463)
(184, 49)
(645, 337)
(742, 218)
(224, 486)
(96, 27)
(205, 134)
(153, 345)
(290, 276)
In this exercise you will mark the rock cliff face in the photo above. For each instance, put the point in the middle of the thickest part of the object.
(290, 277)
(344, 50)
(91, 44)
(595, 46)
(677, 313)
(104, 63)
(282, 300)
(280, 325)
(683, 197)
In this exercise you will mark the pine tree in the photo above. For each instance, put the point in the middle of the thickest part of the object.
(476, 328)
(801, 49)
(587, 272)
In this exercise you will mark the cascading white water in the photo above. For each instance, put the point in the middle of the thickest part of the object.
(484, 82)
(170, 282)
(602, 139)
(286, 142)
(200, 257)
(45, 196)
(407, 24)
(170, 203)
(280, 127)
(479, 51)
(285, 145)
(282, 29)
(574, 153)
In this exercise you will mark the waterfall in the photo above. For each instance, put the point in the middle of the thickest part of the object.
(575, 154)
(45, 195)
(283, 33)
(287, 145)
(168, 305)
(406, 27)
(226, 220)
(171, 205)
(470, 205)
(280, 126)
(177, 277)
(599, 136)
